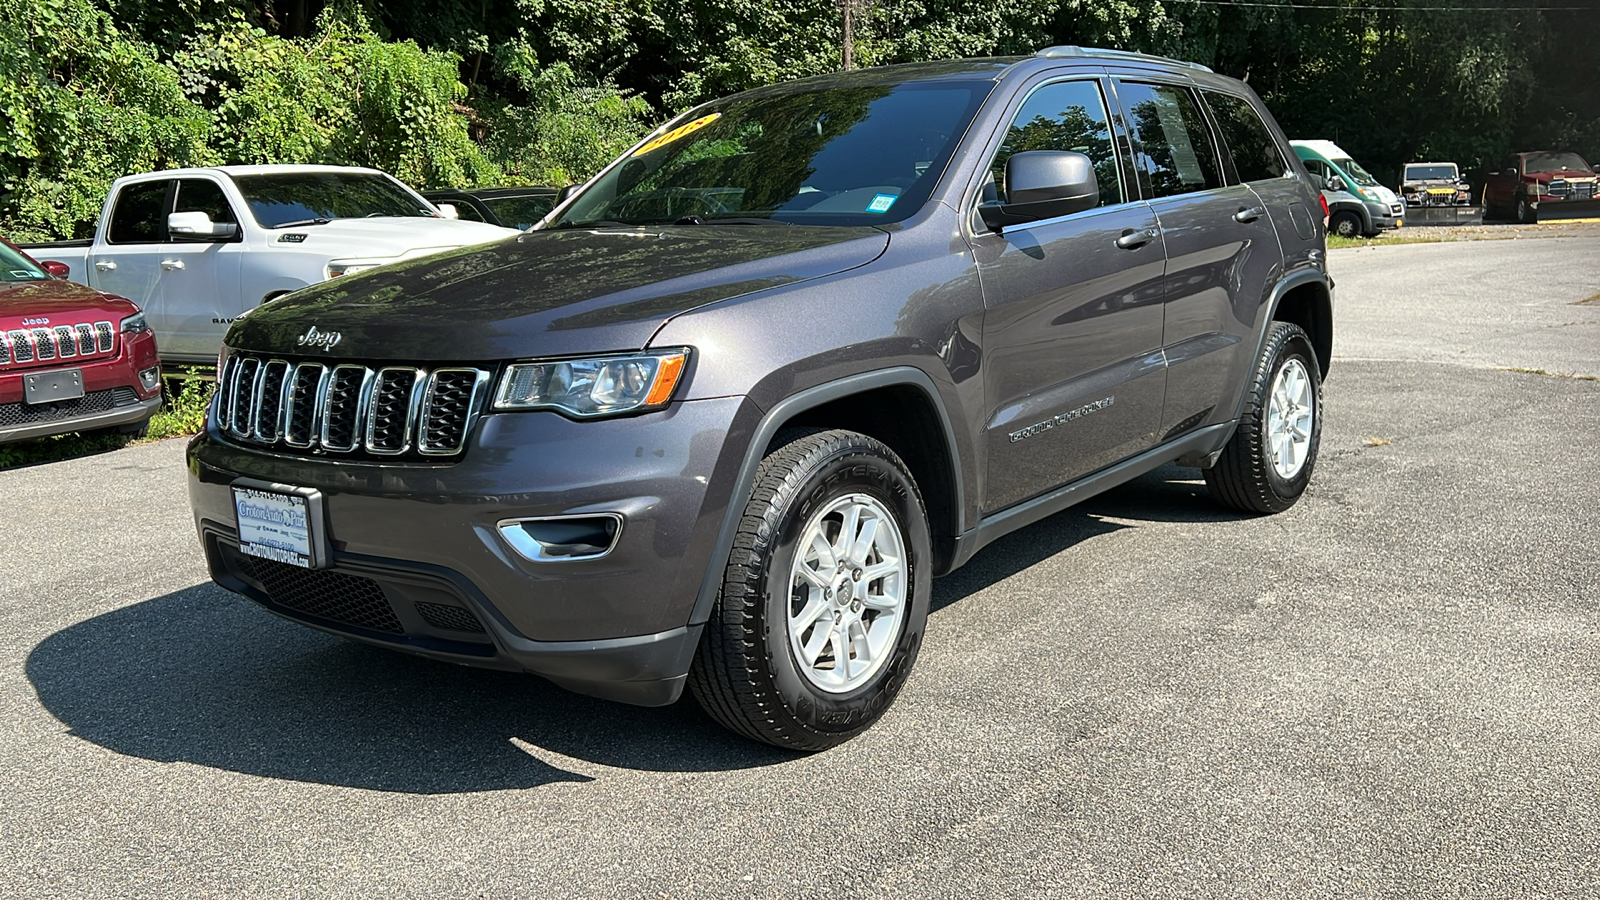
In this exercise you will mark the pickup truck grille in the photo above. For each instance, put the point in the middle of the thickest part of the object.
(349, 408)
(59, 342)
(1562, 189)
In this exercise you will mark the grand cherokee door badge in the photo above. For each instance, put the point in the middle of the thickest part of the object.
(1062, 419)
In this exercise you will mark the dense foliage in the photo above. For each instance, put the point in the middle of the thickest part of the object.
(463, 92)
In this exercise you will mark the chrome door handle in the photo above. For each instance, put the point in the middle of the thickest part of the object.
(170, 264)
(1131, 239)
(107, 266)
(1249, 215)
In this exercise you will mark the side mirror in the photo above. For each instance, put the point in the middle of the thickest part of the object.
(566, 192)
(448, 211)
(1336, 183)
(197, 226)
(56, 269)
(1043, 184)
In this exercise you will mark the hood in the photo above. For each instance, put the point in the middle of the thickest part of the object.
(1384, 194)
(61, 302)
(549, 293)
(382, 238)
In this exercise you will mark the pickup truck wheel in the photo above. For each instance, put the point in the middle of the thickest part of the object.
(824, 597)
(1345, 224)
(1526, 214)
(1267, 464)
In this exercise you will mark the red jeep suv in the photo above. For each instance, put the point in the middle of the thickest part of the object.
(71, 358)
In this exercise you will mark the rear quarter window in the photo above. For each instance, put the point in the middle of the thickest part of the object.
(1256, 156)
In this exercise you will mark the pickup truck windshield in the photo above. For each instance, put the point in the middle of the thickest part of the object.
(1430, 173)
(860, 155)
(305, 198)
(1362, 176)
(16, 267)
(1554, 163)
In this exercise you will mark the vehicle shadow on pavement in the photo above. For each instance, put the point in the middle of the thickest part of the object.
(1168, 494)
(206, 677)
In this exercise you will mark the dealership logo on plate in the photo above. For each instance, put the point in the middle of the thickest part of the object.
(323, 339)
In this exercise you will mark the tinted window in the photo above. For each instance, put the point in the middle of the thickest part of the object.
(853, 154)
(301, 198)
(1069, 115)
(1431, 173)
(1256, 156)
(520, 212)
(465, 211)
(1173, 151)
(201, 195)
(137, 218)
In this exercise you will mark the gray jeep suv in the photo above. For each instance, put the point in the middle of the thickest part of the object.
(724, 416)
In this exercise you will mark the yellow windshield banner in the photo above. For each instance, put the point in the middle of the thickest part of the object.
(678, 132)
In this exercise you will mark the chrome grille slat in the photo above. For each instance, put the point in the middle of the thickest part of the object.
(85, 339)
(5, 348)
(104, 337)
(21, 346)
(349, 408)
(44, 344)
(66, 341)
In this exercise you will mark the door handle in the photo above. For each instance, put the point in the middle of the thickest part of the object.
(106, 266)
(1249, 215)
(1131, 239)
(170, 264)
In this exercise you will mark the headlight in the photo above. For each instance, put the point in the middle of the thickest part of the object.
(135, 324)
(601, 386)
(338, 268)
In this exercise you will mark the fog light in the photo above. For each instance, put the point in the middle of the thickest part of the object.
(150, 378)
(562, 538)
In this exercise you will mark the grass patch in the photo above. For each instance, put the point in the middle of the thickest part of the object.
(1587, 301)
(182, 412)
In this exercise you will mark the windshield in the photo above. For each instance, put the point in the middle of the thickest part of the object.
(1430, 173)
(862, 155)
(1555, 163)
(16, 267)
(1361, 176)
(307, 198)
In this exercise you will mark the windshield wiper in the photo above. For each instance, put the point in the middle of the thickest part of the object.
(317, 221)
(592, 223)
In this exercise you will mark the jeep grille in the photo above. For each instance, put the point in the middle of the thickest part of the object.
(56, 343)
(350, 408)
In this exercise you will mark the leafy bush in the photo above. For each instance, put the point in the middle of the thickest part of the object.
(183, 410)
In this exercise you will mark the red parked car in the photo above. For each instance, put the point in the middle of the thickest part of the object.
(71, 357)
(1542, 185)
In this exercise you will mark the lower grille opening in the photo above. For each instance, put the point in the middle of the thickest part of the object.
(336, 596)
(449, 618)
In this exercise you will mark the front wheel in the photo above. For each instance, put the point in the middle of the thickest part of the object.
(1267, 464)
(1526, 214)
(1345, 224)
(824, 598)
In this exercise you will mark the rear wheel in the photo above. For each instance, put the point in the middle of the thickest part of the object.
(1267, 463)
(1345, 224)
(824, 597)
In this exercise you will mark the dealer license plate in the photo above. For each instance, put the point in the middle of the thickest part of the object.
(281, 523)
(53, 387)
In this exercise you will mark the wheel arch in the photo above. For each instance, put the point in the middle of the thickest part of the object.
(916, 426)
(1307, 302)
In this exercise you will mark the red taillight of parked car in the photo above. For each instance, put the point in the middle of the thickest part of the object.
(1324, 210)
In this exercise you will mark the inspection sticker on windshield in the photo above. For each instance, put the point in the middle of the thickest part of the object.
(680, 131)
(881, 203)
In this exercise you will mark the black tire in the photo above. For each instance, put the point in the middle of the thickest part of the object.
(1345, 224)
(1526, 214)
(745, 674)
(1244, 476)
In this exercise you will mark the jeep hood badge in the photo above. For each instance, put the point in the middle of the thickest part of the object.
(325, 340)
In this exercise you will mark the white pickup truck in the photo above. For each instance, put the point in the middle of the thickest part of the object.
(197, 247)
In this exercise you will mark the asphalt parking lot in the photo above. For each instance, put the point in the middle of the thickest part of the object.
(1389, 691)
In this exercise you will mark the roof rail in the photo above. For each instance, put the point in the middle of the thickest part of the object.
(1068, 52)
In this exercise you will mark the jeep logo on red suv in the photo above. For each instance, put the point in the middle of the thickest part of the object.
(37, 320)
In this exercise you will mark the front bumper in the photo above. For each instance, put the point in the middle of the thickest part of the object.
(1385, 215)
(113, 395)
(417, 562)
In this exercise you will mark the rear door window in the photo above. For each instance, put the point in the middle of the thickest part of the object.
(140, 214)
(1256, 156)
(1067, 115)
(1173, 152)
